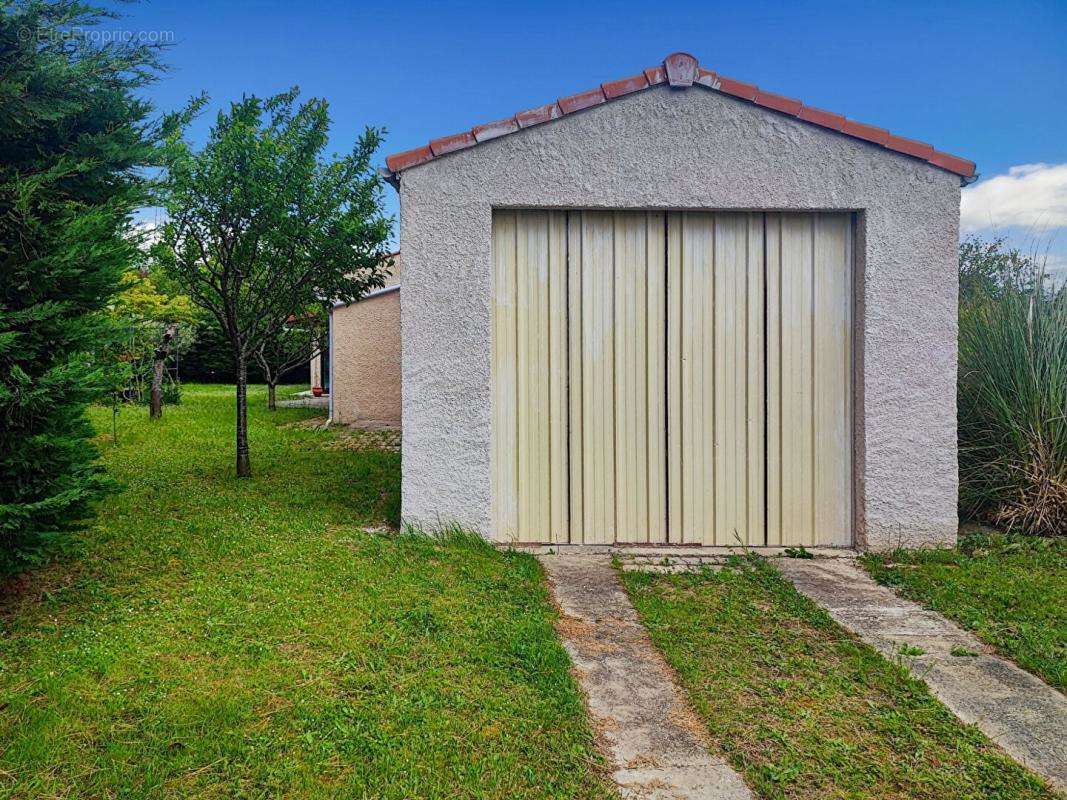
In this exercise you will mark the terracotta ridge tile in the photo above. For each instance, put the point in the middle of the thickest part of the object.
(861, 130)
(618, 88)
(409, 158)
(535, 116)
(450, 144)
(787, 105)
(491, 130)
(910, 147)
(746, 91)
(817, 116)
(952, 163)
(705, 77)
(655, 75)
(581, 100)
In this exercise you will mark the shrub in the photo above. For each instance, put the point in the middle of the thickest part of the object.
(1013, 394)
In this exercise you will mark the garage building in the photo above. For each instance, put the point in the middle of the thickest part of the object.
(678, 309)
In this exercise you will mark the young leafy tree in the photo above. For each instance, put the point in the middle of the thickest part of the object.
(74, 138)
(262, 225)
(297, 342)
(154, 321)
(989, 267)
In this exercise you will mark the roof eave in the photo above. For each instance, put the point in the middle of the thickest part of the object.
(680, 71)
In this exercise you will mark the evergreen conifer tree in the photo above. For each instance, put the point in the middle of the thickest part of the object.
(74, 139)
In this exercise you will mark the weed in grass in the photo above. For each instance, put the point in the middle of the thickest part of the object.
(909, 650)
(1009, 589)
(804, 710)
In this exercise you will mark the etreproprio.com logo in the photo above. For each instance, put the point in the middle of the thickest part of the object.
(97, 36)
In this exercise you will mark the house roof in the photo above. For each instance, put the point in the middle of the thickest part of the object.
(368, 296)
(679, 70)
(389, 288)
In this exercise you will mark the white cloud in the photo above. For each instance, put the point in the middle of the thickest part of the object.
(1056, 267)
(146, 226)
(1032, 196)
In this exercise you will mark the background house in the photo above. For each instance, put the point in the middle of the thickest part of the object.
(361, 367)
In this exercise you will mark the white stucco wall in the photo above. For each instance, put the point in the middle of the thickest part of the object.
(690, 149)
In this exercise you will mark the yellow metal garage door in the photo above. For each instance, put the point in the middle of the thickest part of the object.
(716, 386)
(809, 368)
(679, 377)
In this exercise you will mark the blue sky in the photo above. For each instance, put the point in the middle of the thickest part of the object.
(985, 80)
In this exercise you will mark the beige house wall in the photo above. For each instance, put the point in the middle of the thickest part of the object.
(365, 380)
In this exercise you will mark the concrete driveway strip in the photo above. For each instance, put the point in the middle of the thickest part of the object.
(656, 745)
(1018, 711)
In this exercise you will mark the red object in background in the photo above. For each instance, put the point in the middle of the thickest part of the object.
(317, 391)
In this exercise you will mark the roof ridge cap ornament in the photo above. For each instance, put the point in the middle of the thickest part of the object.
(681, 69)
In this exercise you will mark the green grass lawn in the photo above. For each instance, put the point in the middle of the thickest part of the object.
(1010, 590)
(804, 710)
(209, 637)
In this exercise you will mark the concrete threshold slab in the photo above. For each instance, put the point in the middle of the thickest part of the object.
(669, 551)
(655, 744)
(1018, 711)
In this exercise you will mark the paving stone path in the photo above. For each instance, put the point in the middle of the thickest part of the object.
(654, 742)
(305, 402)
(1018, 711)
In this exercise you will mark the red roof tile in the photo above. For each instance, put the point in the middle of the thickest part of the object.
(656, 75)
(746, 91)
(910, 146)
(787, 105)
(819, 117)
(868, 132)
(409, 158)
(535, 116)
(492, 130)
(961, 166)
(705, 77)
(449, 144)
(680, 70)
(625, 86)
(576, 102)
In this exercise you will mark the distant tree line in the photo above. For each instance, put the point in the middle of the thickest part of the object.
(210, 360)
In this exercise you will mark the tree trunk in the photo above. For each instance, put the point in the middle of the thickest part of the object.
(155, 407)
(155, 404)
(271, 404)
(244, 467)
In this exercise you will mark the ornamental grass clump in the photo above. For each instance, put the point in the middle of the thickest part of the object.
(1013, 395)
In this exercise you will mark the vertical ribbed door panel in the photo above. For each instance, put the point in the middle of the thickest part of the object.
(680, 377)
